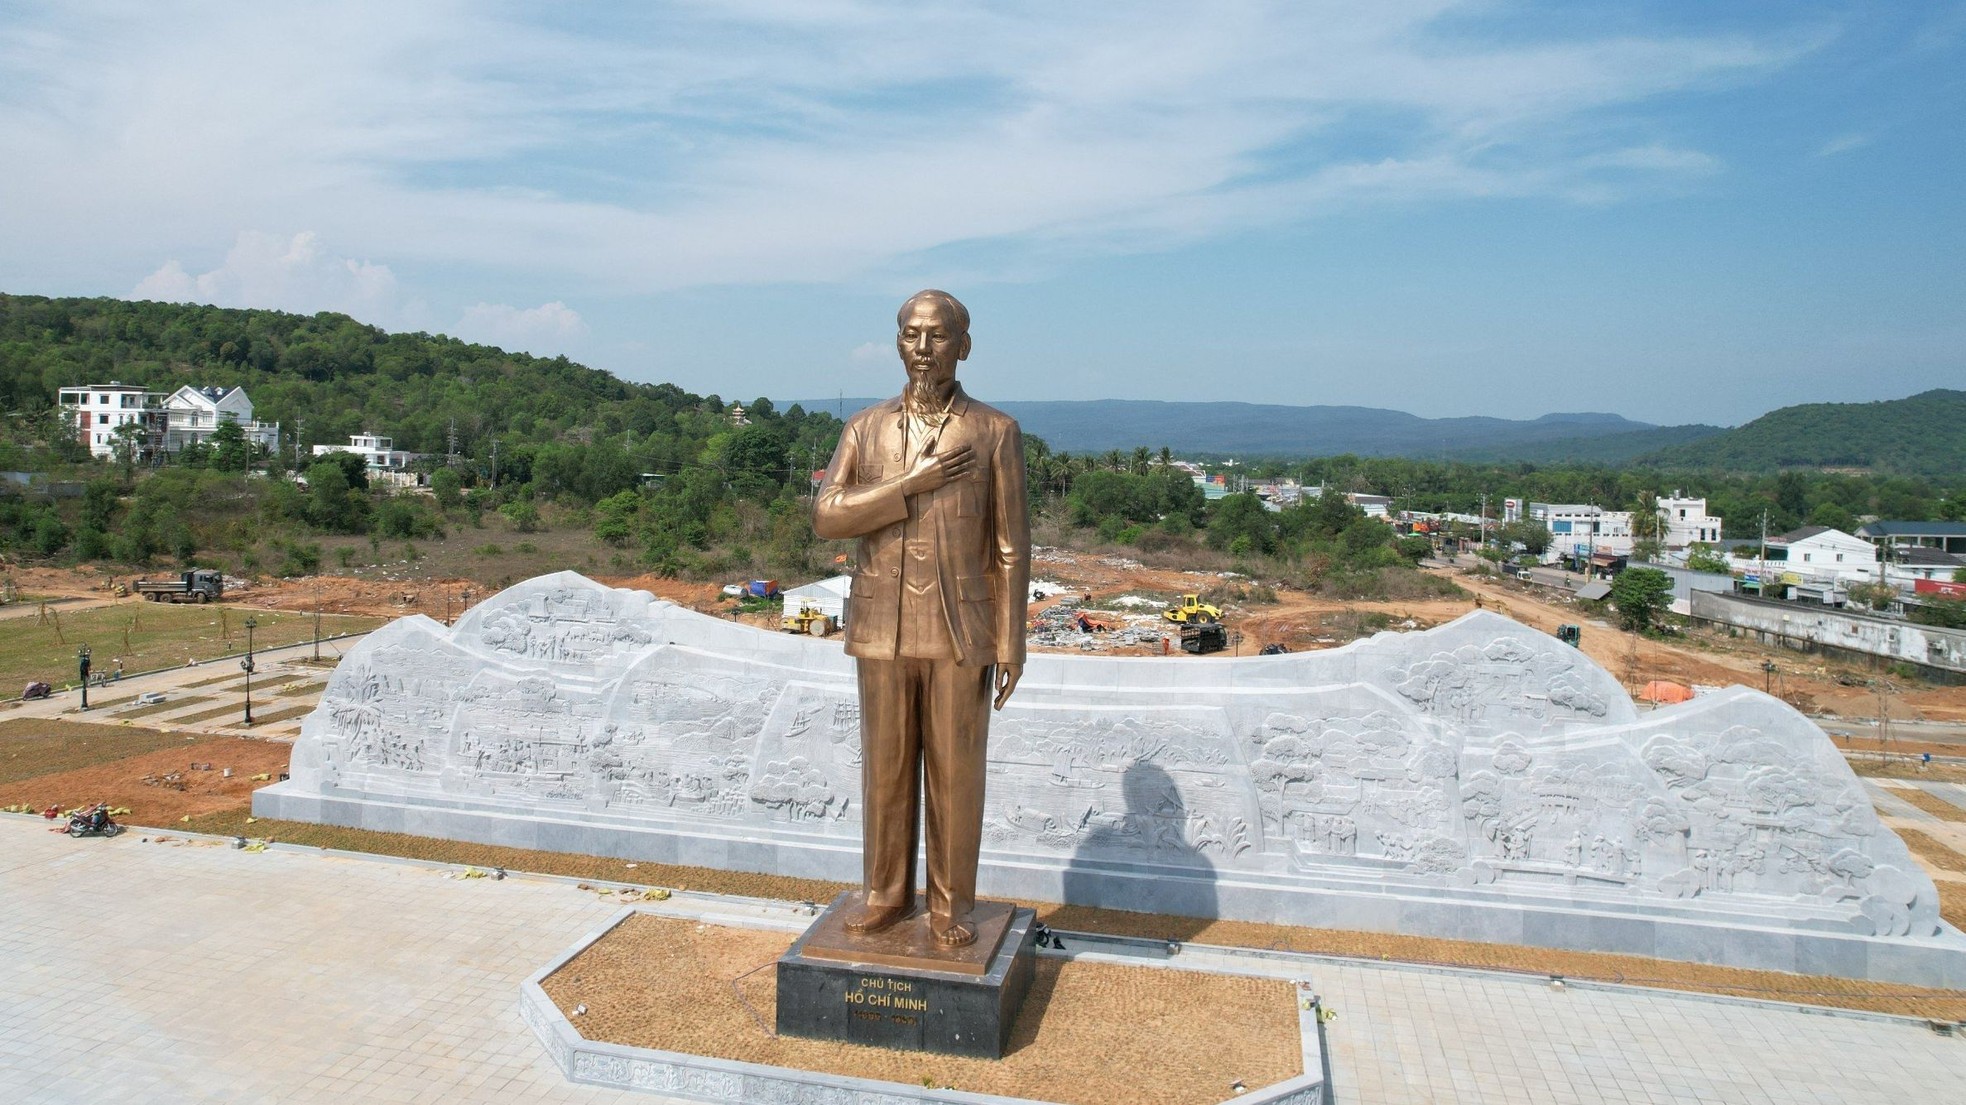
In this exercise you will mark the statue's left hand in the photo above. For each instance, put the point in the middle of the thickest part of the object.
(1007, 675)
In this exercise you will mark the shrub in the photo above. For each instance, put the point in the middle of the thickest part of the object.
(299, 560)
(523, 515)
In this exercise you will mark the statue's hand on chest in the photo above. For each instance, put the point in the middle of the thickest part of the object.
(933, 469)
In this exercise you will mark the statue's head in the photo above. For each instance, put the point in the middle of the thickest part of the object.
(932, 337)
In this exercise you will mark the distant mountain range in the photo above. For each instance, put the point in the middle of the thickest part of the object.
(1924, 435)
(1252, 429)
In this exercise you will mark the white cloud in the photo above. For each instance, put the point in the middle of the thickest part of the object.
(545, 330)
(291, 274)
(1843, 143)
(871, 352)
(682, 144)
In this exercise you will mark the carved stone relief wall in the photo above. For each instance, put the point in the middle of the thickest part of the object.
(1480, 761)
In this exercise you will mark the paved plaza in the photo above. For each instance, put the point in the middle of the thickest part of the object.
(134, 972)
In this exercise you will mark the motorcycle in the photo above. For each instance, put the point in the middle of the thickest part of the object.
(94, 821)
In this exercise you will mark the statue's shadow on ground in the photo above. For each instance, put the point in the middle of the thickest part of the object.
(1141, 862)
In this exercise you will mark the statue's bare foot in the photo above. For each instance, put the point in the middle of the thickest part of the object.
(951, 933)
(864, 918)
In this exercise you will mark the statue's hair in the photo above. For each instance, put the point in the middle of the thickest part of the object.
(949, 302)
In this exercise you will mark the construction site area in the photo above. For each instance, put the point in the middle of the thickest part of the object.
(1081, 602)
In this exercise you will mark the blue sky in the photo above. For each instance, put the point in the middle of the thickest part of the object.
(1677, 212)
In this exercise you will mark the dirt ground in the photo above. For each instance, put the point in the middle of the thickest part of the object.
(205, 790)
(1113, 1035)
(1300, 621)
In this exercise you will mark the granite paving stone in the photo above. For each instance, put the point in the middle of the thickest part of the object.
(162, 973)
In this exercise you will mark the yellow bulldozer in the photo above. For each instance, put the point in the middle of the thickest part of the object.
(1190, 610)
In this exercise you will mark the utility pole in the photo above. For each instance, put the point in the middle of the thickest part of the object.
(1484, 519)
(450, 452)
(300, 430)
(1761, 576)
(317, 619)
(494, 474)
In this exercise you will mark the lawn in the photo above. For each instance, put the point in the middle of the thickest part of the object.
(31, 747)
(147, 635)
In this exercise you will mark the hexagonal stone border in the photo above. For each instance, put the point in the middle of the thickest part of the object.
(721, 1081)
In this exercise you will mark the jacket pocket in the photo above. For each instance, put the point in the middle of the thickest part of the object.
(969, 497)
(973, 589)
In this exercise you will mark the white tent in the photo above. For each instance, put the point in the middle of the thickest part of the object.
(827, 596)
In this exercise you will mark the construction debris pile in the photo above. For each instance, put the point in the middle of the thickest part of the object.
(1068, 623)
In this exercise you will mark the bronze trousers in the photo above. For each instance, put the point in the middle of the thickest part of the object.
(924, 727)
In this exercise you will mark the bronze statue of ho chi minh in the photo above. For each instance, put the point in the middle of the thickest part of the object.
(932, 484)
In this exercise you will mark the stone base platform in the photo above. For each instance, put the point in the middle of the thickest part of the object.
(896, 988)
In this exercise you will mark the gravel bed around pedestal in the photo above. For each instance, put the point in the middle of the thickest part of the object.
(1091, 1033)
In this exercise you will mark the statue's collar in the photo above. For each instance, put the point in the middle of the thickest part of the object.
(958, 403)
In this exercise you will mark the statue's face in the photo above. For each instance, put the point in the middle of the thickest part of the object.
(930, 344)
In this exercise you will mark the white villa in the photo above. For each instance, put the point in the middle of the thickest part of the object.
(386, 462)
(194, 412)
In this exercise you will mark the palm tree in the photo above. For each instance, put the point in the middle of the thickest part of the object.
(1055, 474)
(1166, 458)
(1142, 457)
(1114, 461)
(1647, 521)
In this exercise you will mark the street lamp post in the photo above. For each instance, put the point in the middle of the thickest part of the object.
(82, 662)
(247, 666)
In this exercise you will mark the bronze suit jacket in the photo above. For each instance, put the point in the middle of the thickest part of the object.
(973, 534)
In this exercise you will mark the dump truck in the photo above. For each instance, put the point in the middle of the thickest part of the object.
(198, 585)
(1191, 609)
(1572, 635)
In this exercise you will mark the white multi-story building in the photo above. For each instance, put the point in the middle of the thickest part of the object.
(1686, 522)
(1582, 531)
(1816, 562)
(194, 413)
(387, 464)
(97, 412)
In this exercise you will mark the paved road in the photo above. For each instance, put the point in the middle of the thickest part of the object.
(134, 972)
(64, 605)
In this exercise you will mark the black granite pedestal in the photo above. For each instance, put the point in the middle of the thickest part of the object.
(898, 989)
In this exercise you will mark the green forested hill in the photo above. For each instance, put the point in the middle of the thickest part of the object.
(1924, 435)
(1610, 448)
(332, 376)
(563, 434)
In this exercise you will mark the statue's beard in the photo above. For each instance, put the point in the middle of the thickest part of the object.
(923, 396)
